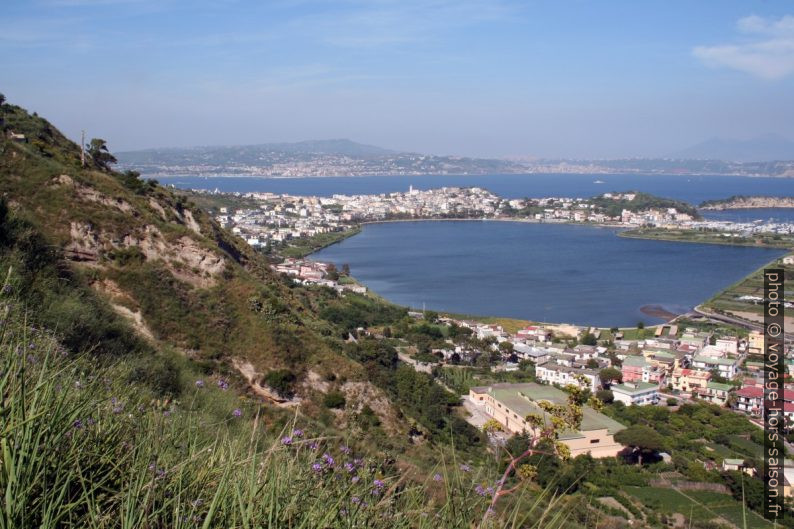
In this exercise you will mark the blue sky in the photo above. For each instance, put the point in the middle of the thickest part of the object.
(472, 77)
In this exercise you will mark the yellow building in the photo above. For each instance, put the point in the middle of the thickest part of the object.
(509, 404)
(690, 380)
(755, 343)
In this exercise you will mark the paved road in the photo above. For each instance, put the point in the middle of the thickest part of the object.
(750, 325)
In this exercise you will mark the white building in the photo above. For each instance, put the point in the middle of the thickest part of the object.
(568, 376)
(636, 393)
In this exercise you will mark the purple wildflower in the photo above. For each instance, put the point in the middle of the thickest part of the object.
(328, 460)
(78, 424)
(199, 383)
(223, 384)
(437, 477)
(7, 289)
(355, 499)
(297, 432)
(286, 440)
(465, 468)
(355, 479)
(479, 490)
(237, 412)
(314, 446)
(378, 484)
(349, 467)
(317, 467)
(345, 449)
(490, 491)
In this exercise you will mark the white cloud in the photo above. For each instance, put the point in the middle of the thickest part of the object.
(765, 50)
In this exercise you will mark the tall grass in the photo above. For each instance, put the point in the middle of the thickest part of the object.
(82, 447)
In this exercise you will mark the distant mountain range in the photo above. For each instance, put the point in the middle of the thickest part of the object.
(338, 157)
(766, 148)
(343, 157)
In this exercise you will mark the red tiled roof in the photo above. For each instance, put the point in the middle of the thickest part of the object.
(751, 392)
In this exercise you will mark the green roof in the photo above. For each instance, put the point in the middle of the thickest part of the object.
(663, 354)
(521, 398)
(635, 361)
(738, 462)
(715, 361)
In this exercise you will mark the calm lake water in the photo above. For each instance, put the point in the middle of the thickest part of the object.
(693, 189)
(557, 273)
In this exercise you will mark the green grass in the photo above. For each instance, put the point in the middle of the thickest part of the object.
(307, 245)
(83, 447)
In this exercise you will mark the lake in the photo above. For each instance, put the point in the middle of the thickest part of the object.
(545, 272)
(693, 189)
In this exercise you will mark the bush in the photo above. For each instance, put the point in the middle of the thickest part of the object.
(605, 396)
(334, 400)
(671, 401)
(281, 381)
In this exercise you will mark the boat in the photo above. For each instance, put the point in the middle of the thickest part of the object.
(599, 182)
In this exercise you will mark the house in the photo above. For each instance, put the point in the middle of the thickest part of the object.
(553, 373)
(717, 393)
(690, 380)
(755, 343)
(536, 355)
(639, 369)
(737, 465)
(510, 404)
(728, 344)
(636, 393)
(750, 400)
(724, 366)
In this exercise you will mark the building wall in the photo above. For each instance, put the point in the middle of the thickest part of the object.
(599, 443)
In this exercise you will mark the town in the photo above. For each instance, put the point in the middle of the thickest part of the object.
(279, 219)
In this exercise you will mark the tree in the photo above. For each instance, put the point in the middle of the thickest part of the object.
(643, 439)
(2, 99)
(610, 374)
(640, 325)
(506, 347)
(98, 150)
(592, 363)
(346, 269)
(589, 339)
(605, 396)
(331, 272)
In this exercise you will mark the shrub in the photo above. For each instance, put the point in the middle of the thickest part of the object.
(334, 400)
(281, 381)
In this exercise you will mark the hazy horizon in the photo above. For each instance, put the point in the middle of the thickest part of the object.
(469, 77)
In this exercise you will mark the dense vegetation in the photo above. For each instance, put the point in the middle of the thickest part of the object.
(640, 202)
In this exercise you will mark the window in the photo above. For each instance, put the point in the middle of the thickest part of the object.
(594, 441)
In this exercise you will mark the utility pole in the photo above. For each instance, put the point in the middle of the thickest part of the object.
(82, 148)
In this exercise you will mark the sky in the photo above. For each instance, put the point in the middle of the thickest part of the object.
(494, 78)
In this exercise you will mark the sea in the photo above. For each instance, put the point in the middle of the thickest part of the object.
(542, 272)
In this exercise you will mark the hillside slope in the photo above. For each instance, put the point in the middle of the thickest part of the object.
(169, 270)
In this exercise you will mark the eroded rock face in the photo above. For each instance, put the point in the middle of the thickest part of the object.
(185, 257)
(90, 194)
(86, 243)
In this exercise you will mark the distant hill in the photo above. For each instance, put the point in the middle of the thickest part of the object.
(769, 147)
(250, 153)
(340, 157)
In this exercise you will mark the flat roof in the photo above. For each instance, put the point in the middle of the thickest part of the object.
(712, 360)
(521, 399)
(641, 387)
